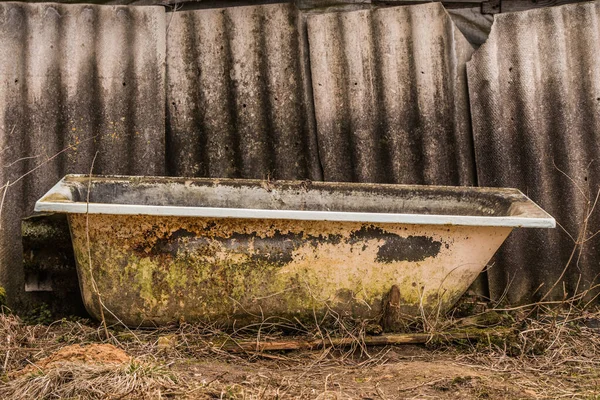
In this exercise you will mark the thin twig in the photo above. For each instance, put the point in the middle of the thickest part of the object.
(5, 187)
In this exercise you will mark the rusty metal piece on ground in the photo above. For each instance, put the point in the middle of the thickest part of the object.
(535, 98)
(390, 96)
(391, 317)
(165, 249)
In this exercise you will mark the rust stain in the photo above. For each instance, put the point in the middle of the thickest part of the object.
(156, 270)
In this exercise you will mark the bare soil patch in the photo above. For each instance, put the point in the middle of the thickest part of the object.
(75, 353)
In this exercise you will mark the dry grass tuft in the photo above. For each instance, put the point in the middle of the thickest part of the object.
(75, 353)
(92, 381)
(20, 343)
(89, 371)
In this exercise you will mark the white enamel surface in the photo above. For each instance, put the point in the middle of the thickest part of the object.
(127, 209)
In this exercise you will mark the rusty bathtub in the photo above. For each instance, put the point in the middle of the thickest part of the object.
(156, 250)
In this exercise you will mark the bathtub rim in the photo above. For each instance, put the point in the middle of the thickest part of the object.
(59, 200)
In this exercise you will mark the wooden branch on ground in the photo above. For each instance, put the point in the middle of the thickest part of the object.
(381, 340)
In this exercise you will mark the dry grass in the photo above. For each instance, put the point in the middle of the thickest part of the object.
(93, 381)
(548, 352)
(554, 352)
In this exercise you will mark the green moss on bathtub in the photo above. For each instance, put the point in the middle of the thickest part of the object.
(144, 279)
(177, 277)
(149, 274)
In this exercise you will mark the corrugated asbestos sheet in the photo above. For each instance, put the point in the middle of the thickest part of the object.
(390, 96)
(75, 81)
(238, 94)
(535, 100)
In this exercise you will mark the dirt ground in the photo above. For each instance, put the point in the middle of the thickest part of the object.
(405, 372)
(546, 357)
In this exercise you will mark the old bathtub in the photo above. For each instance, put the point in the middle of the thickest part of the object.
(157, 250)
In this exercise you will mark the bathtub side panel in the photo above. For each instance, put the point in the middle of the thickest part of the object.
(153, 270)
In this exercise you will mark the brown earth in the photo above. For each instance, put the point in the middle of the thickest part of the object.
(402, 373)
(544, 360)
(88, 354)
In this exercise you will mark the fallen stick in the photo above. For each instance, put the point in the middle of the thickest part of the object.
(380, 340)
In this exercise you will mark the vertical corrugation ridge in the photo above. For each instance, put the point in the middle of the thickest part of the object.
(14, 48)
(465, 150)
(282, 30)
(311, 145)
(590, 108)
(232, 141)
(253, 114)
(360, 93)
(75, 80)
(129, 88)
(270, 138)
(382, 125)
(323, 83)
(249, 99)
(375, 96)
(535, 99)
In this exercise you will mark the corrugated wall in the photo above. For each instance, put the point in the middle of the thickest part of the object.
(535, 101)
(75, 81)
(390, 96)
(238, 93)
(391, 106)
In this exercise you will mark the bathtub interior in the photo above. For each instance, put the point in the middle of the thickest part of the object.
(297, 195)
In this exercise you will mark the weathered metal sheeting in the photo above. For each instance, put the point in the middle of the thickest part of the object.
(535, 97)
(77, 82)
(391, 97)
(238, 94)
